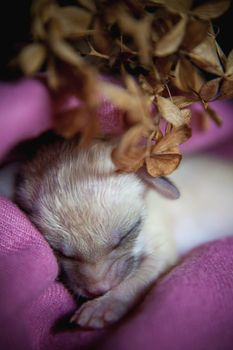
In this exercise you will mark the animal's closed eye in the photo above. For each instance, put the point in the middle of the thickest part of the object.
(135, 227)
(133, 231)
(61, 255)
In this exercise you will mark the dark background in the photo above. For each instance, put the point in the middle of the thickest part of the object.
(15, 32)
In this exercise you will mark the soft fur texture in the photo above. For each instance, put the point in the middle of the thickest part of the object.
(113, 234)
(108, 241)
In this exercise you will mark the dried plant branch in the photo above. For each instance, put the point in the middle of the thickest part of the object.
(161, 50)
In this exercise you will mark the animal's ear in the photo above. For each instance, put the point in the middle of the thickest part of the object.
(160, 184)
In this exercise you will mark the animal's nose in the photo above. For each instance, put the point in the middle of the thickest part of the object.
(98, 289)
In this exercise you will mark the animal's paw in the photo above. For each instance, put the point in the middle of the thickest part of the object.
(99, 312)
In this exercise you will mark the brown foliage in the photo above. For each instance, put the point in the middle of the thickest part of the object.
(161, 49)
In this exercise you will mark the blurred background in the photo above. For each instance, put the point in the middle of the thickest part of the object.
(15, 31)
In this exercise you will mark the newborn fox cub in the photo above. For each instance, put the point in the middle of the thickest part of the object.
(114, 234)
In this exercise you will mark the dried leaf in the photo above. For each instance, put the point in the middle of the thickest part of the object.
(131, 138)
(117, 95)
(206, 57)
(131, 85)
(229, 64)
(66, 53)
(163, 164)
(38, 29)
(59, 47)
(160, 49)
(129, 162)
(70, 122)
(88, 4)
(226, 91)
(31, 58)
(196, 32)
(170, 42)
(162, 67)
(221, 54)
(178, 6)
(186, 114)
(53, 77)
(169, 111)
(212, 9)
(130, 101)
(91, 128)
(183, 101)
(209, 90)
(150, 86)
(140, 32)
(74, 22)
(172, 139)
(100, 38)
(165, 156)
(146, 86)
(142, 107)
(130, 153)
(184, 69)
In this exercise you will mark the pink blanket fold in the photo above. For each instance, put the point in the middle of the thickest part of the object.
(191, 308)
(33, 303)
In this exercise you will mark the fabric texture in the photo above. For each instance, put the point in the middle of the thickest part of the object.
(189, 308)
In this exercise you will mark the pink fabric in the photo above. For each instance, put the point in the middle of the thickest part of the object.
(31, 299)
(25, 112)
(215, 135)
(191, 308)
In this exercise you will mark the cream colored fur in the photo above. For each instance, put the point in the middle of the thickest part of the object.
(84, 208)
